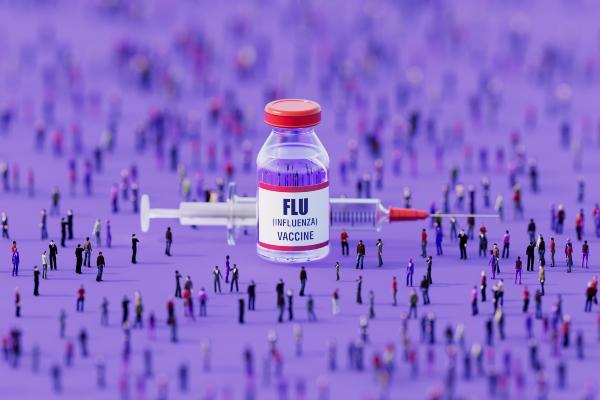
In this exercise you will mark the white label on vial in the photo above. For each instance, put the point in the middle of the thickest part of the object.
(293, 218)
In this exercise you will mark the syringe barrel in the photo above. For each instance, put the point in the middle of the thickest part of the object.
(218, 214)
(356, 213)
(236, 212)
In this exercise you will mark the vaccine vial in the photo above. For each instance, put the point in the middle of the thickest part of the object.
(293, 185)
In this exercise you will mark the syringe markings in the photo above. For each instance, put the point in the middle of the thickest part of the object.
(353, 218)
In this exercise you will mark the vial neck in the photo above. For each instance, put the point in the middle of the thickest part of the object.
(293, 131)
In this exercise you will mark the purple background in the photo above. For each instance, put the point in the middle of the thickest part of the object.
(370, 47)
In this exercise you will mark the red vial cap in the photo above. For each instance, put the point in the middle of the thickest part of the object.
(293, 113)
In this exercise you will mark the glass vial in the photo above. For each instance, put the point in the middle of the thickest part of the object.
(293, 185)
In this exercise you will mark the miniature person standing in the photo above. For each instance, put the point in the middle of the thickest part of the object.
(217, 279)
(371, 304)
(359, 282)
(589, 297)
(134, 244)
(499, 317)
(235, 277)
(96, 232)
(114, 198)
(177, 284)
(104, 312)
(36, 281)
(63, 232)
(241, 310)
(474, 308)
(425, 290)
(394, 291)
(108, 234)
(530, 255)
(517, 201)
(500, 292)
(78, 258)
(125, 311)
(483, 286)
(470, 226)
(542, 276)
(423, 243)
(518, 269)
(4, 223)
(453, 229)
(188, 284)
(5, 226)
(251, 296)
(202, 299)
(70, 224)
(310, 307)
(87, 252)
(303, 279)
(413, 300)
(492, 263)
(44, 265)
(337, 271)
(525, 299)
(483, 242)
(380, 252)
(410, 270)
(439, 237)
(100, 263)
(62, 323)
(585, 254)
(168, 241)
(345, 246)
(553, 217)
(53, 252)
(541, 245)
(360, 254)
(15, 263)
(171, 321)
(407, 197)
(17, 303)
(335, 302)
(462, 243)
(187, 302)
(290, 304)
(429, 262)
(80, 299)
(560, 219)
(531, 230)
(579, 225)
(552, 251)
(569, 255)
(596, 216)
(279, 289)
(135, 195)
(506, 245)
(44, 225)
(227, 268)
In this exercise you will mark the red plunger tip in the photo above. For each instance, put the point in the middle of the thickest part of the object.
(406, 214)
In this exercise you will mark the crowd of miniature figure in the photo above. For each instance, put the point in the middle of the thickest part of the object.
(390, 131)
(556, 323)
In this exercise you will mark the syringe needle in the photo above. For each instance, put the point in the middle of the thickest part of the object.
(450, 215)
(409, 214)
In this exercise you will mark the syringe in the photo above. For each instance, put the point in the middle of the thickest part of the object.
(240, 212)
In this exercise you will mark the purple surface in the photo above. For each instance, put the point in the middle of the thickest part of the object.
(351, 59)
